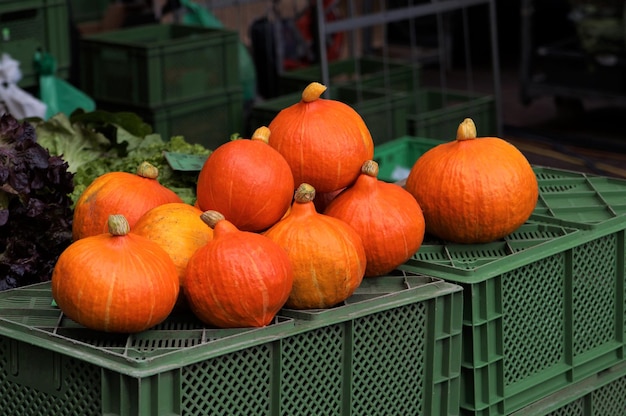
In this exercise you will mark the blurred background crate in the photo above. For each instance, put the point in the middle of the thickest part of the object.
(31, 26)
(367, 72)
(155, 65)
(437, 113)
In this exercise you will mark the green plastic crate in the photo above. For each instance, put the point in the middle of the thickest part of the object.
(209, 120)
(88, 10)
(437, 113)
(544, 308)
(370, 72)
(32, 26)
(396, 157)
(600, 395)
(383, 113)
(579, 200)
(392, 348)
(159, 64)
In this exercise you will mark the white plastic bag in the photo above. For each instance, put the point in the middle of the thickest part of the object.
(19, 103)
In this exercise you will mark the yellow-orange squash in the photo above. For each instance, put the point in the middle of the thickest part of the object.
(473, 190)
(116, 281)
(324, 141)
(327, 254)
(387, 217)
(178, 229)
(119, 193)
(247, 181)
(239, 278)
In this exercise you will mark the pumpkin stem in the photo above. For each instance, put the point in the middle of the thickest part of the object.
(466, 130)
(118, 225)
(211, 218)
(147, 170)
(312, 92)
(370, 168)
(262, 134)
(305, 193)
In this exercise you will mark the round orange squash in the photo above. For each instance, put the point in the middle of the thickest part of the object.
(119, 193)
(178, 229)
(324, 141)
(327, 254)
(247, 181)
(387, 217)
(239, 278)
(473, 190)
(116, 281)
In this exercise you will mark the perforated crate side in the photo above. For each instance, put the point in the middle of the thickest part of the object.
(32, 26)
(599, 395)
(543, 308)
(157, 65)
(577, 199)
(395, 345)
(399, 360)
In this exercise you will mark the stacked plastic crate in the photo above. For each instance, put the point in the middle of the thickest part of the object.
(393, 348)
(31, 26)
(545, 308)
(184, 80)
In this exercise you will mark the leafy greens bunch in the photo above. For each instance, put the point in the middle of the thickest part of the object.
(35, 206)
(99, 142)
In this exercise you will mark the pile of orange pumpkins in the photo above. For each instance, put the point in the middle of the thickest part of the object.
(293, 217)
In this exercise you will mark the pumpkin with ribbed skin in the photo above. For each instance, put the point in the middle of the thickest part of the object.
(473, 190)
(247, 181)
(387, 217)
(327, 255)
(119, 193)
(178, 229)
(239, 278)
(324, 141)
(116, 281)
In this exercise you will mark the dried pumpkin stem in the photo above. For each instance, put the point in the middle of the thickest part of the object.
(466, 130)
(305, 193)
(370, 168)
(312, 92)
(262, 134)
(118, 225)
(147, 170)
(211, 218)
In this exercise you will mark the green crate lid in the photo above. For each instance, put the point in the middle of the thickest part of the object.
(579, 200)
(474, 263)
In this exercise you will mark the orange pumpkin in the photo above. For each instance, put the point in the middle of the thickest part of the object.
(387, 217)
(247, 181)
(239, 278)
(116, 281)
(327, 254)
(473, 190)
(119, 193)
(324, 141)
(178, 229)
